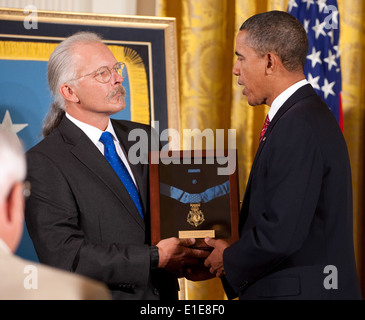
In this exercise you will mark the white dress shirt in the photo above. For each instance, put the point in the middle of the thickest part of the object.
(94, 135)
(285, 95)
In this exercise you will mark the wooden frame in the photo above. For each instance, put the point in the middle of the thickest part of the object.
(154, 38)
(177, 172)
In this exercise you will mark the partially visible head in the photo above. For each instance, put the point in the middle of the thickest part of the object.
(280, 33)
(80, 54)
(271, 50)
(12, 175)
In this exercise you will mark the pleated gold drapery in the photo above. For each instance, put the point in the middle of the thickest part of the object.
(211, 98)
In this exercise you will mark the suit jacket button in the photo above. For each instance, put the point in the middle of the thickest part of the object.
(156, 292)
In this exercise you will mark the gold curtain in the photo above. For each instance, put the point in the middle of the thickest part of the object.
(211, 98)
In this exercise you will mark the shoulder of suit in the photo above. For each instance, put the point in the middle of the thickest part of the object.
(51, 141)
(52, 283)
(55, 142)
(52, 147)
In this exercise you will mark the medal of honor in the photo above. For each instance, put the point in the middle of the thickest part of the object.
(195, 216)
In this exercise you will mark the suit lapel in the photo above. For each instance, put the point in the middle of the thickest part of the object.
(300, 94)
(87, 153)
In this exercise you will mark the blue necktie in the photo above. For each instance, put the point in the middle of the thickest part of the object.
(120, 169)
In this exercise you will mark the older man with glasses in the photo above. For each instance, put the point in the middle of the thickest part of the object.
(89, 208)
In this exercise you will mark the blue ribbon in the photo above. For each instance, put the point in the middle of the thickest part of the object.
(203, 197)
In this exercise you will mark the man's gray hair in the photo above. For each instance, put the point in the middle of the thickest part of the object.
(12, 163)
(61, 68)
(280, 33)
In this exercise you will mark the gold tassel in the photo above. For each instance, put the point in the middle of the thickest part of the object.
(35, 51)
(140, 111)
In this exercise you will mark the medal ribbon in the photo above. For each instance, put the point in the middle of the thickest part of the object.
(203, 197)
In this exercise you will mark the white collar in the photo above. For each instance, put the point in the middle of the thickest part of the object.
(92, 132)
(282, 97)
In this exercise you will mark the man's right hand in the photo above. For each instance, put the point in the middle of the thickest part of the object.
(176, 254)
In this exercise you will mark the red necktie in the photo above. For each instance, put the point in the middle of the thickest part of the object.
(266, 124)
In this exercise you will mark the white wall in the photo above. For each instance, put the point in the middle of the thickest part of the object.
(125, 7)
(115, 6)
(58, 5)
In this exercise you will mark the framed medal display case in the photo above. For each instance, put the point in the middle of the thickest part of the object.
(194, 195)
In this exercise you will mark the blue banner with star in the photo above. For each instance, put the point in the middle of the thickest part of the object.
(24, 98)
(24, 102)
(146, 46)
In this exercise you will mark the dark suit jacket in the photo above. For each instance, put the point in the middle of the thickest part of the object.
(296, 215)
(81, 218)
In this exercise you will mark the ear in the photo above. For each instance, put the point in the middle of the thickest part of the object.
(16, 204)
(13, 217)
(272, 62)
(69, 93)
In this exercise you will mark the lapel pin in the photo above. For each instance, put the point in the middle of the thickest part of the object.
(264, 139)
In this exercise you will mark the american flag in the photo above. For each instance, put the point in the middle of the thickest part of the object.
(320, 19)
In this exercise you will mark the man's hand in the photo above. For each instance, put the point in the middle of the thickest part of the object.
(175, 254)
(215, 260)
(197, 272)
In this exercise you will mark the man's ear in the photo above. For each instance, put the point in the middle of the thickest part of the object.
(12, 217)
(16, 204)
(69, 93)
(272, 61)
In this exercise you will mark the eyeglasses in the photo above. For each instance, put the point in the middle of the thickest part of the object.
(104, 74)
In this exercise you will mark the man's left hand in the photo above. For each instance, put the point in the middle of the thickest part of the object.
(215, 260)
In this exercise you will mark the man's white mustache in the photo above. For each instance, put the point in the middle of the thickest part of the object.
(115, 92)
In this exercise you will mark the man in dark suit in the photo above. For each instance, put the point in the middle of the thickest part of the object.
(296, 231)
(89, 208)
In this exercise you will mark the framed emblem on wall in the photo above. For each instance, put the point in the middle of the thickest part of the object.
(147, 46)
